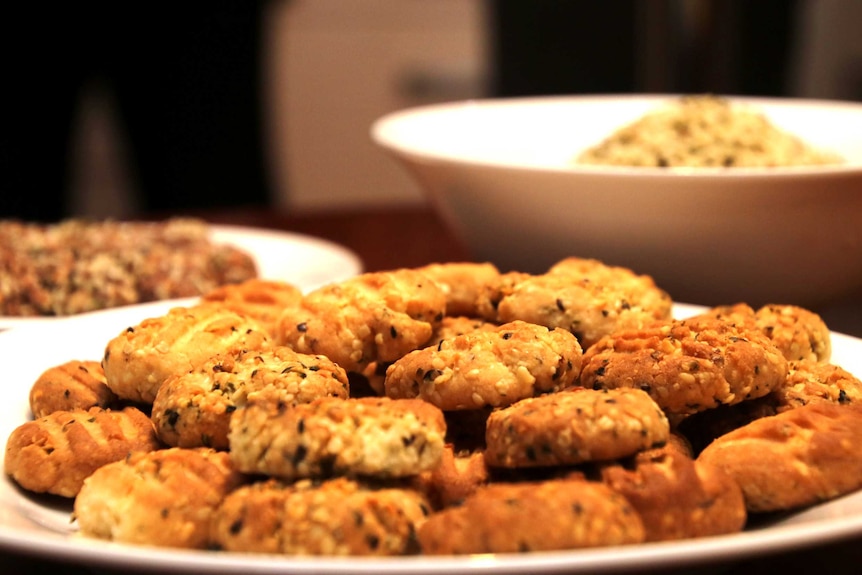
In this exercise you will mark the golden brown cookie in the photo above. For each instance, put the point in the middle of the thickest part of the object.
(373, 317)
(464, 283)
(138, 360)
(687, 365)
(263, 300)
(797, 458)
(676, 496)
(532, 516)
(807, 381)
(458, 475)
(54, 454)
(333, 518)
(193, 409)
(574, 426)
(586, 297)
(799, 333)
(373, 436)
(76, 384)
(488, 368)
(164, 498)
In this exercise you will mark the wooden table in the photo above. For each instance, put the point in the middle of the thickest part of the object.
(409, 237)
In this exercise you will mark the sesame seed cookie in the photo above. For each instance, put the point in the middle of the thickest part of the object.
(372, 436)
(687, 365)
(676, 496)
(458, 475)
(138, 360)
(532, 516)
(261, 299)
(488, 368)
(164, 498)
(794, 459)
(799, 333)
(338, 517)
(373, 317)
(464, 283)
(193, 409)
(54, 454)
(588, 298)
(76, 384)
(574, 426)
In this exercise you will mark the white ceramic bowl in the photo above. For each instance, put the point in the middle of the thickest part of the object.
(502, 173)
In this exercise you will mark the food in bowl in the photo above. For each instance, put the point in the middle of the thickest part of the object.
(704, 131)
(77, 265)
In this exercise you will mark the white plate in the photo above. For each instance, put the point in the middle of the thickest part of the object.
(305, 261)
(42, 525)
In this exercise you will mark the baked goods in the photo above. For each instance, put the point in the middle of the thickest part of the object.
(139, 359)
(337, 517)
(376, 437)
(56, 453)
(549, 515)
(164, 498)
(574, 426)
(447, 445)
(689, 365)
(795, 458)
(263, 300)
(193, 409)
(704, 131)
(487, 368)
(75, 384)
(77, 265)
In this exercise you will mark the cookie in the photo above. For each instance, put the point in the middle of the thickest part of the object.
(332, 518)
(193, 409)
(794, 459)
(465, 285)
(263, 300)
(76, 384)
(54, 454)
(532, 516)
(574, 426)
(689, 365)
(373, 437)
(799, 333)
(164, 498)
(138, 360)
(456, 477)
(373, 317)
(488, 368)
(807, 381)
(676, 496)
(588, 298)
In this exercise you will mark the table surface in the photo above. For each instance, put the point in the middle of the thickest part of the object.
(412, 236)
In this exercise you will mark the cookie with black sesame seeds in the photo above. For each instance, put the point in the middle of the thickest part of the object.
(373, 317)
(676, 496)
(587, 297)
(550, 515)
(164, 498)
(574, 426)
(338, 517)
(800, 334)
(261, 299)
(458, 475)
(488, 368)
(193, 409)
(139, 359)
(687, 365)
(371, 437)
(55, 453)
(75, 384)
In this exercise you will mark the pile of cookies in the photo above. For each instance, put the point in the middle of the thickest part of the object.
(428, 410)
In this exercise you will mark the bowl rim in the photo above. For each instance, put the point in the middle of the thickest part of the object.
(381, 132)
